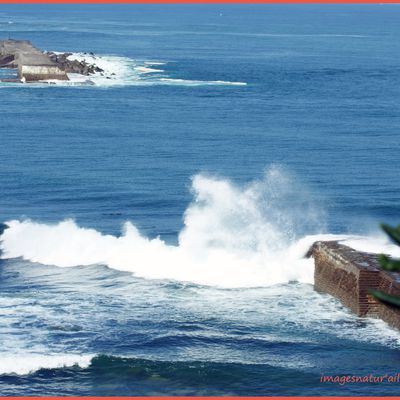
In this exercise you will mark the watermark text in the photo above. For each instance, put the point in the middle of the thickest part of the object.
(370, 378)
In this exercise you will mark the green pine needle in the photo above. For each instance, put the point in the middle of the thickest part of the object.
(386, 298)
(389, 264)
(393, 233)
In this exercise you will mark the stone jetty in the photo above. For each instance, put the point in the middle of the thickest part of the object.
(347, 274)
(33, 64)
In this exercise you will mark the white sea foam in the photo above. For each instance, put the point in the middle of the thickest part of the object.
(24, 364)
(147, 70)
(124, 71)
(188, 82)
(373, 244)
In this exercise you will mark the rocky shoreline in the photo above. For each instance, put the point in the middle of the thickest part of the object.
(33, 64)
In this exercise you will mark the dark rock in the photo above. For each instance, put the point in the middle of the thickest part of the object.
(7, 61)
(73, 66)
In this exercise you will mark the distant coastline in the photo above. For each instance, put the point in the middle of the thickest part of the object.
(29, 64)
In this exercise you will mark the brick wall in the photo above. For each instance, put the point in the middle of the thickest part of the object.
(347, 274)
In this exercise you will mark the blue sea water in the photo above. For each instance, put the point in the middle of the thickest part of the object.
(158, 219)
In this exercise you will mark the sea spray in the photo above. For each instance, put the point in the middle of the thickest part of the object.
(232, 237)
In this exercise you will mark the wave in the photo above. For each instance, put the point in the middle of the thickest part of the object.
(143, 368)
(124, 71)
(25, 364)
(250, 236)
(232, 237)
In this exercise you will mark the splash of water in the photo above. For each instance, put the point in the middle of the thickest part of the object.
(233, 236)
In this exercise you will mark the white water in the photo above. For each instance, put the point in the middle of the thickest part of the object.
(233, 236)
(27, 363)
(123, 71)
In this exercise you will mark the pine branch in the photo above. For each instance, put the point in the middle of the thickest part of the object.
(393, 233)
(389, 264)
(384, 297)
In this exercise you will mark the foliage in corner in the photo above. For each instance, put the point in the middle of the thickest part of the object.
(388, 264)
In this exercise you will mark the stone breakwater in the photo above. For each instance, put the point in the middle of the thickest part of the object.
(347, 274)
(33, 64)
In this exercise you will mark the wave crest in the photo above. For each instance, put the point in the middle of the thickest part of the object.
(233, 237)
(250, 236)
(29, 363)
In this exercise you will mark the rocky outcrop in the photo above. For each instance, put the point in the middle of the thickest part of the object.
(73, 66)
(35, 65)
(347, 274)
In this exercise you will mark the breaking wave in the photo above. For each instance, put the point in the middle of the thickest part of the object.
(25, 364)
(233, 236)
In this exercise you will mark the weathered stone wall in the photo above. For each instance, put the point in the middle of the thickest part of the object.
(347, 274)
(33, 73)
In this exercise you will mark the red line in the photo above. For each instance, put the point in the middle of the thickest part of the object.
(199, 2)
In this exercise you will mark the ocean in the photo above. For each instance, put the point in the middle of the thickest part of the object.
(158, 217)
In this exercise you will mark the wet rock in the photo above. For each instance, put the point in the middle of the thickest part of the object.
(73, 66)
